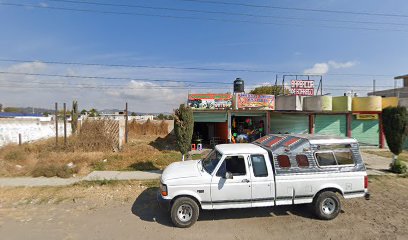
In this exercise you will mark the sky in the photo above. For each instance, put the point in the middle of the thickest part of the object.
(127, 47)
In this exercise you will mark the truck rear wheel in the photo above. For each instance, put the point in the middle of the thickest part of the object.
(327, 205)
(184, 212)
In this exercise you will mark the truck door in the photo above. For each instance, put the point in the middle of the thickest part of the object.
(235, 192)
(262, 182)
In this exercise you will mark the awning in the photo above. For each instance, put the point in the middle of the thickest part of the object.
(210, 117)
(248, 114)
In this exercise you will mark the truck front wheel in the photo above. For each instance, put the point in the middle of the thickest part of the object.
(327, 205)
(184, 212)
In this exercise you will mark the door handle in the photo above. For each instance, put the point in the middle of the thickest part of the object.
(245, 181)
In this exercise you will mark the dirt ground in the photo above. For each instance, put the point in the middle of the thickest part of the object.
(128, 210)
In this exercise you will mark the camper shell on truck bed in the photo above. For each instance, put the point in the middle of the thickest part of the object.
(277, 169)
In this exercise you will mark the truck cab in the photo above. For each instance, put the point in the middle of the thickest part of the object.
(274, 170)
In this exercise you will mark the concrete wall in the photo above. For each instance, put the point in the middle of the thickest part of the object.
(30, 129)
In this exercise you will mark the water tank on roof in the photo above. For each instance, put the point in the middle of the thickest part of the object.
(239, 86)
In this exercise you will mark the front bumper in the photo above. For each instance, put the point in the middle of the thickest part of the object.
(163, 203)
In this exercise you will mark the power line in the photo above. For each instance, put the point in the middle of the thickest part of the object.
(109, 78)
(186, 68)
(194, 18)
(299, 9)
(224, 13)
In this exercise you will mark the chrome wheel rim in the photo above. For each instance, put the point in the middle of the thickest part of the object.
(185, 213)
(328, 206)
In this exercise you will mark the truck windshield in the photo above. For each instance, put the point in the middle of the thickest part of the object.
(211, 161)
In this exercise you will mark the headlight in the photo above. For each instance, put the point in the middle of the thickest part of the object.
(163, 189)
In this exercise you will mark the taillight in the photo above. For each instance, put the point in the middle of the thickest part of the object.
(366, 182)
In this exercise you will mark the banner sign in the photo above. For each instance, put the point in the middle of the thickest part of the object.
(210, 101)
(255, 101)
(366, 116)
(302, 87)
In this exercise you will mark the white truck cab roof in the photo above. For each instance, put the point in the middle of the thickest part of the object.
(240, 148)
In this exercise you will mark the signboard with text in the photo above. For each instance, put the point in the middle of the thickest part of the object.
(255, 101)
(203, 101)
(302, 87)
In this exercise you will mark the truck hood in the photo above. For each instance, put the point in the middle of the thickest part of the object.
(184, 169)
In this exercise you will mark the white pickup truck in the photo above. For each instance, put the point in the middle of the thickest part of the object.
(274, 170)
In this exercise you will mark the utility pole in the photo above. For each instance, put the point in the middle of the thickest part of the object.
(126, 123)
(373, 86)
(65, 124)
(56, 124)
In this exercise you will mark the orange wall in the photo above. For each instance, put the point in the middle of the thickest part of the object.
(221, 130)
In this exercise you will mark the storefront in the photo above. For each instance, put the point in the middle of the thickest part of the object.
(210, 127)
(282, 123)
(247, 126)
(366, 129)
(331, 124)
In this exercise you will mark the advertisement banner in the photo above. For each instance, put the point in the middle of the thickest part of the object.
(302, 87)
(367, 116)
(255, 101)
(202, 101)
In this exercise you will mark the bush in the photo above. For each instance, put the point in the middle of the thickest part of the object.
(61, 171)
(15, 155)
(398, 167)
(394, 120)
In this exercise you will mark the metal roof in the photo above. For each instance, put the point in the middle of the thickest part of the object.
(240, 148)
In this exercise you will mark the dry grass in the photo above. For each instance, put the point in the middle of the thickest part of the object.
(142, 153)
(90, 150)
(148, 128)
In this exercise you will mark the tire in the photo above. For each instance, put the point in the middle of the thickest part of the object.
(327, 205)
(184, 212)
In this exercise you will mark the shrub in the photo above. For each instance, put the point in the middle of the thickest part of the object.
(61, 171)
(395, 121)
(183, 128)
(398, 167)
(15, 155)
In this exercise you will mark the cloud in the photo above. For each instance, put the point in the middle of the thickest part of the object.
(324, 68)
(318, 68)
(338, 65)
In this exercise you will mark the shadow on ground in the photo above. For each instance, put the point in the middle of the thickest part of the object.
(146, 208)
(164, 143)
(143, 166)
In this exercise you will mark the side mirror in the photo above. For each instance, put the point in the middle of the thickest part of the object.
(228, 175)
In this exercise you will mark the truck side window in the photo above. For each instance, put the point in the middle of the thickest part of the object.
(259, 166)
(325, 158)
(344, 157)
(234, 165)
(302, 161)
(283, 161)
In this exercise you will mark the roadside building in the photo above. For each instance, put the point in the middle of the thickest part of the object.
(241, 117)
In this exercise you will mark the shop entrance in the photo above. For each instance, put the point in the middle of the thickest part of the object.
(247, 127)
(210, 129)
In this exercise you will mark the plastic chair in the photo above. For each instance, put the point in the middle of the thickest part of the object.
(193, 146)
(199, 147)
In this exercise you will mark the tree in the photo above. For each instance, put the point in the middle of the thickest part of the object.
(271, 90)
(12, 109)
(394, 120)
(183, 128)
(74, 117)
(133, 114)
(83, 112)
(93, 112)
